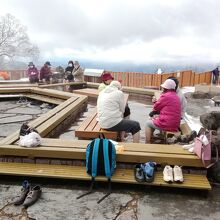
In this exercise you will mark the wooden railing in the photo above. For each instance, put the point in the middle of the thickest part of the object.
(141, 80)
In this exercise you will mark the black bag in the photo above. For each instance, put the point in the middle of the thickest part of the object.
(26, 129)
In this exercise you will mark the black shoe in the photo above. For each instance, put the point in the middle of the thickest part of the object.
(24, 191)
(32, 196)
(138, 173)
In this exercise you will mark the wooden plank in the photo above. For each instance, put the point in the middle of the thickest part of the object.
(88, 91)
(53, 93)
(14, 90)
(42, 119)
(17, 85)
(128, 147)
(61, 84)
(92, 124)
(191, 181)
(94, 134)
(75, 149)
(47, 99)
(54, 121)
(86, 122)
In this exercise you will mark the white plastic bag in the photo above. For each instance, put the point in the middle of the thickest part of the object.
(33, 139)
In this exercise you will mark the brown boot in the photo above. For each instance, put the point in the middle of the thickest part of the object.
(24, 191)
(32, 196)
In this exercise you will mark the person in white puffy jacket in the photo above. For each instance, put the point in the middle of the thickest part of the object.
(111, 107)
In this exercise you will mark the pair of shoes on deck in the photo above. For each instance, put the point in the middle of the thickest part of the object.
(28, 196)
(173, 174)
(145, 172)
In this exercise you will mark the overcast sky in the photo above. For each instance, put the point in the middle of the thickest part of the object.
(142, 31)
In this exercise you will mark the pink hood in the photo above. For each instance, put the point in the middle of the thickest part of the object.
(170, 111)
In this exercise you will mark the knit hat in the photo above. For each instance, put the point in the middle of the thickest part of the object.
(31, 64)
(169, 84)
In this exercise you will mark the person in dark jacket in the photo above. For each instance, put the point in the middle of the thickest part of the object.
(69, 72)
(45, 72)
(215, 74)
(32, 73)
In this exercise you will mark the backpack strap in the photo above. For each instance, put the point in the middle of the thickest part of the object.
(95, 154)
(101, 136)
(109, 191)
(90, 189)
(106, 158)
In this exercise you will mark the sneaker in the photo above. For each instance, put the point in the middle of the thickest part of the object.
(168, 174)
(149, 171)
(178, 174)
(24, 191)
(188, 146)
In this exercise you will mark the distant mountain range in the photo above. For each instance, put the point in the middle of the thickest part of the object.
(119, 66)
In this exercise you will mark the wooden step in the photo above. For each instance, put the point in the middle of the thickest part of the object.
(43, 98)
(192, 181)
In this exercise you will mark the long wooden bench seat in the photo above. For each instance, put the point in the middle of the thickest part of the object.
(75, 150)
(48, 121)
(133, 152)
(192, 181)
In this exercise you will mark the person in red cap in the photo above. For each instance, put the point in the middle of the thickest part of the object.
(106, 80)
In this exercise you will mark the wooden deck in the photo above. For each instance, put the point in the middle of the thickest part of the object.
(133, 152)
(192, 181)
(76, 149)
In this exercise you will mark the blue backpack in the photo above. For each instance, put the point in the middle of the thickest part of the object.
(100, 161)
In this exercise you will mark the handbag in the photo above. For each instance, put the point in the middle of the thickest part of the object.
(203, 150)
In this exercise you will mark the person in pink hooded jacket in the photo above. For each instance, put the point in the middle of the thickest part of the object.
(169, 109)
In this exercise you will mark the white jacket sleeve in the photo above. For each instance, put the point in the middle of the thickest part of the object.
(121, 102)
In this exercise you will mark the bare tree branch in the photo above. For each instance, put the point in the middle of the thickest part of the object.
(14, 41)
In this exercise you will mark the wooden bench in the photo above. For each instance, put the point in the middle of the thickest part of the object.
(44, 98)
(90, 127)
(50, 120)
(133, 152)
(192, 181)
(88, 92)
(75, 150)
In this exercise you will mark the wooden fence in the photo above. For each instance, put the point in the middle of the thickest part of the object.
(141, 80)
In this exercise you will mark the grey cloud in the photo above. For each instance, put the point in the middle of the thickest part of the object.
(66, 24)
